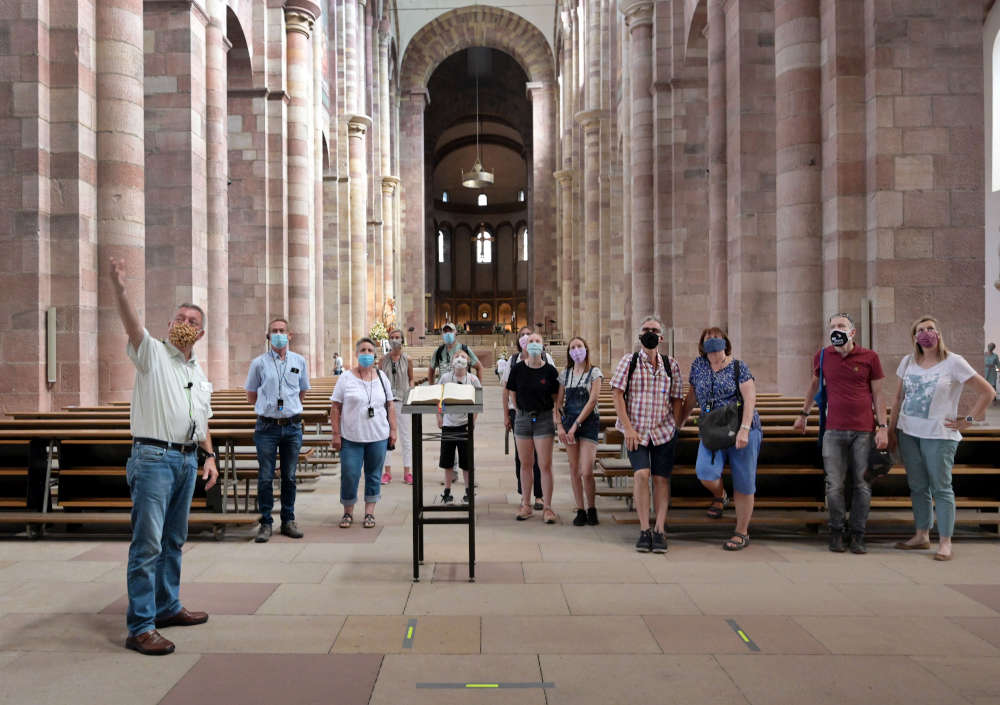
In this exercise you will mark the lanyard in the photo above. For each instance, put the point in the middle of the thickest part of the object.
(281, 374)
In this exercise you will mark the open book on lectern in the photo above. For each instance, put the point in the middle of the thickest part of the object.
(438, 394)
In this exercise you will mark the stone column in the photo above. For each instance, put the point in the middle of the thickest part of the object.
(388, 181)
(717, 262)
(321, 125)
(121, 216)
(389, 186)
(639, 15)
(411, 166)
(590, 303)
(564, 179)
(217, 171)
(357, 128)
(798, 141)
(542, 305)
(298, 30)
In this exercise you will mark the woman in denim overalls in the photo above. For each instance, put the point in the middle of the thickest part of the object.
(579, 387)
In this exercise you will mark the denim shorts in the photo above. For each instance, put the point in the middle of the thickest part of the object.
(534, 425)
(659, 459)
(587, 431)
(742, 462)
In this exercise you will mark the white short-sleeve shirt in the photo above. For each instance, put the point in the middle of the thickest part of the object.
(170, 393)
(931, 395)
(458, 419)
(356, 396)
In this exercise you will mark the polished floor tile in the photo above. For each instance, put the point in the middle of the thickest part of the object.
(475, 599)
(392, 635)
(894, 635)
(401, 674)
(711, 634)
(988, 595)
(486, 573)
(337, 599)
(214, 598)
(636, 599)
(567, 635)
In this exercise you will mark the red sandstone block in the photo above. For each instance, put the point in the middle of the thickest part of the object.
(912, 111)
(926, 140)
(925, 81)
(966, 140)
(967, 208)
(955, 110)
(925, 209)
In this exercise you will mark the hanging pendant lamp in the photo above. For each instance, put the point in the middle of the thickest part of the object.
(477, 177)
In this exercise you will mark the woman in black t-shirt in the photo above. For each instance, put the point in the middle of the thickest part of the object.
(533, 384)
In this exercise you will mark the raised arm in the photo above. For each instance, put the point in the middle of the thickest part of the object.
(130, 319)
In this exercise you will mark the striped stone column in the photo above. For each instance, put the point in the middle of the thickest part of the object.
(357, 129)
(411, 166)
(590, 303)
(639, 15)
(389, 186)
(564, 182)
(799, 225)
(717, 264)
(542, 294)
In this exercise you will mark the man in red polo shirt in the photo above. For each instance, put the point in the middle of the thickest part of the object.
(855, 412)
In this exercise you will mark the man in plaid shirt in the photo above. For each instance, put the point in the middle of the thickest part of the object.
(648, 421)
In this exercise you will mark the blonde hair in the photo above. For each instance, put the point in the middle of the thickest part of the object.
(918, 352)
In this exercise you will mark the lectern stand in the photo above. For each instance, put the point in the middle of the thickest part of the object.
(444, 513)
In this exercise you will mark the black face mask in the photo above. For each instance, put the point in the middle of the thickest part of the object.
(649, 340)
(839, 338)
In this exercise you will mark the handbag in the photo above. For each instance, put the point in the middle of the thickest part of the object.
(718, 428)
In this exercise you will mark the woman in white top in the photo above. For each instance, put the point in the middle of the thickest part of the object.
(363, 420)
(579, 424)
(926, 425)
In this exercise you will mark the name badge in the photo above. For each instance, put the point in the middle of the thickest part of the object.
(295, 370)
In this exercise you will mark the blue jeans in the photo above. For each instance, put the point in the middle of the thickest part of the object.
(161, 483)
(742, 462)
(271, 439)
(928, 464)
(847, 452)
(355, 457)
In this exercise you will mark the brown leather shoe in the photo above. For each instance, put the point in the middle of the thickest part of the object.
(182, 619)
(150, 643)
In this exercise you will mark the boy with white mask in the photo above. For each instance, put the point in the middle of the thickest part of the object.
(398, 367)
(854, 418)
(455, 428)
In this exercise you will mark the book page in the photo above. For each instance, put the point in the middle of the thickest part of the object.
(459, 393)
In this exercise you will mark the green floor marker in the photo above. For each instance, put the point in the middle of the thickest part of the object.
(408, 639)
(742, 635)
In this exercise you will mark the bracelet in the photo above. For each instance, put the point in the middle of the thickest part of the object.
(881, 425)
(803, 413)
(744, 427)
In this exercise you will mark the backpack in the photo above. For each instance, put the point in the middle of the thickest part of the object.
(436, 358)
(631, 369)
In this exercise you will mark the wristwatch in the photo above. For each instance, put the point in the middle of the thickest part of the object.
(881, 425)
(970, 419)
(745, 427)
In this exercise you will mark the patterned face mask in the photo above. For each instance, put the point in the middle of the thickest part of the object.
(183, 335)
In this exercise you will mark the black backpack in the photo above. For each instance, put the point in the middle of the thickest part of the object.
(631, 369)
(718, 427)
(436, 358)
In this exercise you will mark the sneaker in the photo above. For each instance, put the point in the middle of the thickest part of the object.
(858, 544)
(291, 530)
(837, 542)
(446, 497)
(659, 542)
(386, 478)
(645, 542)
(581, 518)
(592, 516)
(263, 533)
(465, 497)
(408, 478)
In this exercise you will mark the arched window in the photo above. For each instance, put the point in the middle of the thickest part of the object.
(444, 197)
(520, 195)
(522, 244)
(440, 245)
(484, 246)
(481, 200)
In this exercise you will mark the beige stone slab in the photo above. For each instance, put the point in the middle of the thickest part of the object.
(486, 572)
(4, 564)
(586, 572)
(685, 549)
(62, 571)
(986, 628)
(836, 680)
(712, 634)
(228, 633)
(226, 551)
(476, 599)
(567, 635)
(122, 678)
(853, 569)
(17, 550)
(400, 674)
(401, 552)
(636, 599)
(431, 635)
(250, 571)
(577, 551)
(965, 568)
(976, 678)
(801, 550)
(62, 632)
(894, 635)
(373, 572)
(914, 600)
(717, 571)
(770, 598)
(497, 552)
(190, 570)
(58, 597)
(637, 678)
(8, 656)
(336, 599)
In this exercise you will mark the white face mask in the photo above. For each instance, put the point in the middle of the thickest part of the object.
(460, 363)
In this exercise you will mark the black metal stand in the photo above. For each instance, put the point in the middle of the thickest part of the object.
(417, 411)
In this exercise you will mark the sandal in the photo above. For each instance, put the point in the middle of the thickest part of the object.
(524, 513)
(369, 522)
(346, 521)
(549, 516)
(737, 543)
(718, 506)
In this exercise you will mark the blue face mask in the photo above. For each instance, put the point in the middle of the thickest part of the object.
(449, 338)
(535, 349)
(714, 345)
(366, 359)
(279, 340)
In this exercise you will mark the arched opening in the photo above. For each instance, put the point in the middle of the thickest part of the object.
(504, 320)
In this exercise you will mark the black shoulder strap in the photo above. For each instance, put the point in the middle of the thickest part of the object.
(628, 379)
(436, 358)
(467, 351)
(736, 379)
(385, 387)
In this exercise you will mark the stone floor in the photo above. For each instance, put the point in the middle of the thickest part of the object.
(326, 619)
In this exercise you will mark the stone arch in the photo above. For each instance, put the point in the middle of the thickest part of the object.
(477, 25)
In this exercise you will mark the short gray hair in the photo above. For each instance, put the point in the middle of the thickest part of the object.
(197, 308)
(849, 317)
(652, 317)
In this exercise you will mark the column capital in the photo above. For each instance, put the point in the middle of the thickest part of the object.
(298, 21)
(389, 184)
(638, 13)
(564, 177)
(420, 98)
(586, 118)
(532, 87)
(358, 124)
(306, 7)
